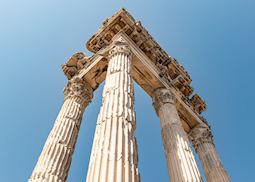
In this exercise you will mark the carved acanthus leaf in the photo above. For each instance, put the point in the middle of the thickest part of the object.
(163, 96)
(77, 87)
(120, 46)
(201, 134)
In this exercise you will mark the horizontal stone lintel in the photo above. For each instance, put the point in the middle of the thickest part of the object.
(144, 73)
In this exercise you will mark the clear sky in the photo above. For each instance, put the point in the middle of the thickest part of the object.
(213, 39)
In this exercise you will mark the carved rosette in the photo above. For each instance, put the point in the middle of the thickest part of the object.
(120, 47)
(161, 97)
(77, 87)
(201, 134)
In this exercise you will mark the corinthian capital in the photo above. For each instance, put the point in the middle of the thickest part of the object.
(162, 96)
(120, 46)
(201, 134)
(77, 87)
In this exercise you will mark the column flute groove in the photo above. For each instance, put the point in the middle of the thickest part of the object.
(55, 159)
(113, 157)
(180, 159)
(202, 141)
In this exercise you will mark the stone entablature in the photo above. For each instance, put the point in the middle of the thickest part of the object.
(146, 75)
(124, 51)
(77, 62)
(168, 66)
(198, 104)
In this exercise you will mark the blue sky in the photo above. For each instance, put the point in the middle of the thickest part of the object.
(213, 40)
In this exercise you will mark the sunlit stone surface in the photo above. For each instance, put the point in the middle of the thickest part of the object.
(125, 51)
(180, 160)
(55, 159)
(202, 140)
(114, 152)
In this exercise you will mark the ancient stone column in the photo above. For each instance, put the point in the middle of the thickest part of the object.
(202, 141)
(54, 162)
(180, 159)
(114, 152)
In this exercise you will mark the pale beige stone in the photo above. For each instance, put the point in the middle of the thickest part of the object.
(202, 140)
(155, 67)
(180, 160)
(54, 162)
(114, 152)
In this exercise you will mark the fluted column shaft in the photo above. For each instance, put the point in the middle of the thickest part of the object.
(202, 140)
(55, 159)
(181, 163)
(114, 152)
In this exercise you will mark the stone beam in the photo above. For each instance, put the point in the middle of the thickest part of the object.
(162, 69)
(144, 69)
(122, 21)
(145, 73)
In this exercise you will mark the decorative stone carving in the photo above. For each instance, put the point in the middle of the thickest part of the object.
(162, 96)
(201, 134)
(77, 87)
(163, 71)
(169, 67)
(120, 46)
(180, 160)
(198, 104)
(74, 64)
(202, 140)
(114, 154)
(55, 159)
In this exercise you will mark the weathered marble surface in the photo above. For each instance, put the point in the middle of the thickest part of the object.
(180, 159)
(202, 141)
(114, 152)
(55, 160)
